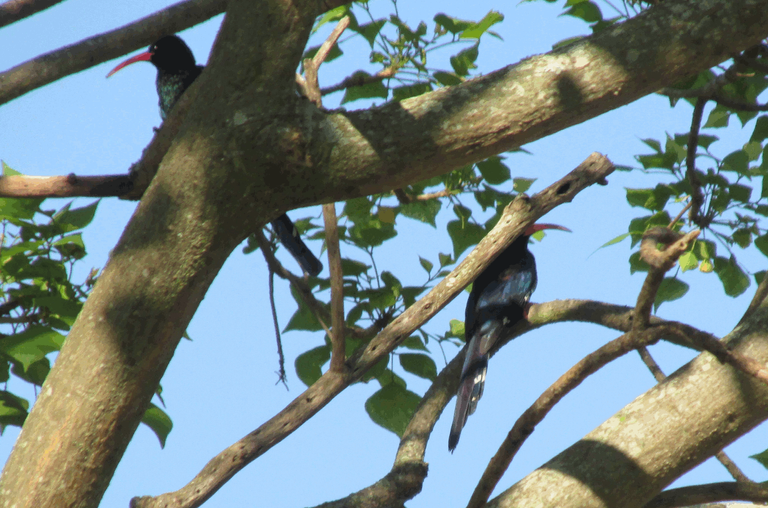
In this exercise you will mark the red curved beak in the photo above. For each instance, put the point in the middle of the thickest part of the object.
(142, 57)
(540, 227)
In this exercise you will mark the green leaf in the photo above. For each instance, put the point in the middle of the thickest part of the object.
(13, 409)
(414, 342)
(737, 161)
(761, 457)
(688, 261)
(333, 54)
(636, 264)
(425, 211)
(71, 246)
(740, 192)
(419, 365)
(753, 150)
(655, 145)
(475, 30)
(677, 150)
(353, 267)
(587, 11)
(405, 92)
(616, 240)
(705, 140)
(742, 237)
(308, 364)
(447, 78)
(70, 220)
(372, 90)
(464, 61)
(718, 117)
(463, 235)
(372, 233)
(670, 289)
(32, 344)
(651, 199)
(392, 407)
(332, 15)
(157, 420)
(371, 30)
(493, 170)
(734, 280)
(453, 25)
(457, 328)
(426, 265)
(303, 318)
(761, 242)
(761, 129)
(522, 184)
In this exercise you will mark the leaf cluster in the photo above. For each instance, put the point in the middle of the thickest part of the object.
(39, 300)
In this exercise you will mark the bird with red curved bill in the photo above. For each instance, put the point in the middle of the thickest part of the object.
(498, 300)
(176, 71)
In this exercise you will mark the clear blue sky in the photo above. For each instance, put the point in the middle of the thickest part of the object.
(222, 385)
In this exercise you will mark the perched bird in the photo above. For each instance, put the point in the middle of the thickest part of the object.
(176, 70)
(498, 300)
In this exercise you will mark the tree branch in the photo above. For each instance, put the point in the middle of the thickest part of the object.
(710, 493)
(55, 65)
(631, 457)
(12, 11)
(339, 354)
(660, 262)
(522, 212)
(525, 425)
(23, 186)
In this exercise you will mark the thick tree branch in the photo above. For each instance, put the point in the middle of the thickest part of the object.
(532, 416)
(710, 493)
(659, 376)
(55, 65)
(340, 155)
(15, 10)
(664, 432)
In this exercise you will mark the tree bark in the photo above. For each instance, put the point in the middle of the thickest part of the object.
(668, 430)
(251, 150)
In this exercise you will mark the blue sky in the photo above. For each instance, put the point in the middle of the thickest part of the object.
(223, 384)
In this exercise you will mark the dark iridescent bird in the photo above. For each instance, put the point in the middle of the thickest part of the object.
(176, 70)
(498, 300)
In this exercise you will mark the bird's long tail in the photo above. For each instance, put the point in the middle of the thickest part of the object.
(470, 390)
(292, 241)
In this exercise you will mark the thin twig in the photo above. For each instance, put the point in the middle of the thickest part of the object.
(680, 215)
(306, 294)
(732, 468)
(311, 86)
(280, 357)
(338, 356)
(649, 362)
(697, 194)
